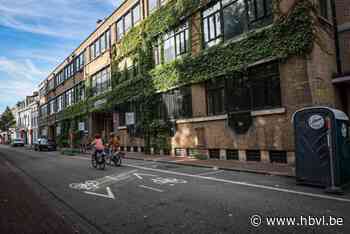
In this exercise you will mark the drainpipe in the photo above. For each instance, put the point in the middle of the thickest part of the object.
(336, 38)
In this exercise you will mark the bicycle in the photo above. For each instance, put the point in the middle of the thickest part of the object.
(114, 157)
(98, 160)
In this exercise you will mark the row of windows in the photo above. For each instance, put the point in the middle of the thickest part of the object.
(126, 22)
(173, 104)
(66, 99)
(221, 21)
(101, 81)
(100, 45)
(259, 89)
(68, 71)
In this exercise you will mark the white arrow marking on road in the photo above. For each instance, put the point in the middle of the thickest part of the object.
(109, 195)
(138, 175)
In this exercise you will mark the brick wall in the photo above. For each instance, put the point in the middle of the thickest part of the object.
(343, 18)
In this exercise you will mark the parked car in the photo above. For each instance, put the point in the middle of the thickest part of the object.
(45, 144)
(17, 142)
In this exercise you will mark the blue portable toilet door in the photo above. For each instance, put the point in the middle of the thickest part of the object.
(312, 153)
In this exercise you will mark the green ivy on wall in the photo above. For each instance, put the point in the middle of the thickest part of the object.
(291, 34)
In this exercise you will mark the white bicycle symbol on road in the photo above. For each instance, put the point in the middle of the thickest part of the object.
(88, 185)
(170, 181)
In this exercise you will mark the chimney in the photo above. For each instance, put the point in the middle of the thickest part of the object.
(98, 23)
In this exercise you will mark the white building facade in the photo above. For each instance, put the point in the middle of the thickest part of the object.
(27, 119)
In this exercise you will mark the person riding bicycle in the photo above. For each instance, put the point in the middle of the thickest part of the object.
(114, 143)
(98, 144)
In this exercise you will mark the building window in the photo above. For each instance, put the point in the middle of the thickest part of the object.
(229, 18)
(216, 96)
(176, 103)
(60, 103)
(80, 92)
(325, 9)
(120, 29)
(101, 81)
(100, 45)
(43, 111)
(126, 22)
(212, 25)
(51, 84)
(136, 14)
(79, 62)
(156, 54)
(152, 5)
(175, 44)
(259, 11)
(52, 107)
(260, 89)
(70, 97)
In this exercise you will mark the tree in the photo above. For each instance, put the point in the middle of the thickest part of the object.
(7, 120)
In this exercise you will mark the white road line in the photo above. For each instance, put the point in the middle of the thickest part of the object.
(108, 195)
(245, 184)
(183, 160)
(151, 188)
(210, 173)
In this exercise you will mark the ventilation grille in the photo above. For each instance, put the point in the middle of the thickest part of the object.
(232, 154)
(180, 152)
(253, 155)
(214, 153)
(278, 156)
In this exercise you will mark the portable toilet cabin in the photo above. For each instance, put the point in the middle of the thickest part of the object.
(322, 146)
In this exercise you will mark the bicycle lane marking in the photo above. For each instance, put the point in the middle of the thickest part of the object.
(314, 195)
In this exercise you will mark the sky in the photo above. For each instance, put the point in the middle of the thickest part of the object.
(37, 35)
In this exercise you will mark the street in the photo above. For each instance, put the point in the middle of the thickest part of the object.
(153, 197)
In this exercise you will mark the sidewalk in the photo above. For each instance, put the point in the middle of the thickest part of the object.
(22, 211)
(233, 165)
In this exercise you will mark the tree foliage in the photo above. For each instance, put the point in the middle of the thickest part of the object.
(7, 120)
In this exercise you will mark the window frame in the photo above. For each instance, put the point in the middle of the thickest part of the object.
(122, 21)
(213, 91)
(159, 46)
(96, 46)
(99, 87)
(219, 36)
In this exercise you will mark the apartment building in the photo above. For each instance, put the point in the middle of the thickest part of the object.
(342, 79)
(26, 116)
(217, 78)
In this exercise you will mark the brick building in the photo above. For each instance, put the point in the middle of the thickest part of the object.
(260, 61)
(342, 80)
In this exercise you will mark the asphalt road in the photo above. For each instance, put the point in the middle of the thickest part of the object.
(150, 197)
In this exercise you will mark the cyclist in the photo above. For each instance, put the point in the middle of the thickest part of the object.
(98, 144)
(114, 143)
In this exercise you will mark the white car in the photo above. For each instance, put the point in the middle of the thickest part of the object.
(17, 142)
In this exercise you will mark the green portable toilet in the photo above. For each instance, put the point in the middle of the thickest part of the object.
(322, 146)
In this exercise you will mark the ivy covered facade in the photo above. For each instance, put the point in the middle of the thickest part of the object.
(219, 78)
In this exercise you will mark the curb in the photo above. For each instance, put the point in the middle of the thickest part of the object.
(219, 168)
